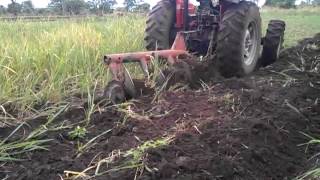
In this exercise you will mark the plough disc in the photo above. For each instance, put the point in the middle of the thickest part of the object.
(115, 92)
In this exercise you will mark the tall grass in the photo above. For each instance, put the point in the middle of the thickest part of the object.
(48, 61)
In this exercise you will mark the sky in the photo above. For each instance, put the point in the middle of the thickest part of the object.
(44, 3)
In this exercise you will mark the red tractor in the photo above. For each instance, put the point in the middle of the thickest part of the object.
(225, 31)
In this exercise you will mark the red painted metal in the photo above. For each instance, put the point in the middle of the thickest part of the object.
(115, 61)
(179, 12)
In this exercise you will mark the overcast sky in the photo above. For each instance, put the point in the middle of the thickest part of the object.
(44, 3)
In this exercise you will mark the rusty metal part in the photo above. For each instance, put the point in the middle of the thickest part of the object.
(115, 62)
(122, 85)
(178, 49)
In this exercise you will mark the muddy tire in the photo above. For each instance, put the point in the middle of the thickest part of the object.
(160, 33)
(273, 42)
(237, 51)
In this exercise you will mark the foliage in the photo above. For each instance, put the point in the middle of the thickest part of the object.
(314, 173)
(316, 2)
(74, 7)
(56, 5)
(78, 133)
(14, 8)
(71, 7)
(281, 3)
(101, 6)
(129, 4)
(3, 10)
(44, 62)
(27, 7)
(10, 150)
(142, 7)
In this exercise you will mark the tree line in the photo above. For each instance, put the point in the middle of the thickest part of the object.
(100, 7)
(291, 3)
(73, 7)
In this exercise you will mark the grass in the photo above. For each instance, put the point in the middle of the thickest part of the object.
(10, 150)
(313, 173)
(301, 23)
(48, 62)
(133, 160)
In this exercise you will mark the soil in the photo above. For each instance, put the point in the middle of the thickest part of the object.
(248, 128)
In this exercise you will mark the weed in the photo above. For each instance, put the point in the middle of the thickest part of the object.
(78, 133)
(9, 151)
(314, 173)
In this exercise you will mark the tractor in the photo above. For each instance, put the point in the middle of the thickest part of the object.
(227, 32)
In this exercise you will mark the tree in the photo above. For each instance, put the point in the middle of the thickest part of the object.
(14, 8)
(27, 7)
(129, 4)
(281, 3)
(3, 10)
(56, 6)
(107, 5)
(68, 6)
(101, 6)
(316, 2)
(142, 7)
(74, 7)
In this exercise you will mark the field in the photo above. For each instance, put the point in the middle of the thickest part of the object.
(51, 73)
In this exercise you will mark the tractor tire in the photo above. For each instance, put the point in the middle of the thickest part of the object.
(160, 33)
(273, 42)
(239, 40)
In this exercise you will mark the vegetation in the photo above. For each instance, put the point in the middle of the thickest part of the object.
(49, 62)
(291, 3)
(301, 23)
(314, 173)
(46, 62)
(73, 7)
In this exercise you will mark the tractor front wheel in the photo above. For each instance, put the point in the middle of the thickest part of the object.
(239, 39)
(273, 42)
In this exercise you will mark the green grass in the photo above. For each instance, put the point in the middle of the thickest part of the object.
(48, 61)
(51, 61)
(313, 173)
(300, 23)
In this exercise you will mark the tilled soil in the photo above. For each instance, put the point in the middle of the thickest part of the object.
(249, 128)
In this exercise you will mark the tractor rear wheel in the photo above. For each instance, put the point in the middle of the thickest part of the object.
(273, 42)
(239, 40)
(160, 33)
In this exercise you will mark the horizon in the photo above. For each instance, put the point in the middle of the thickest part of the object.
(44, 3)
